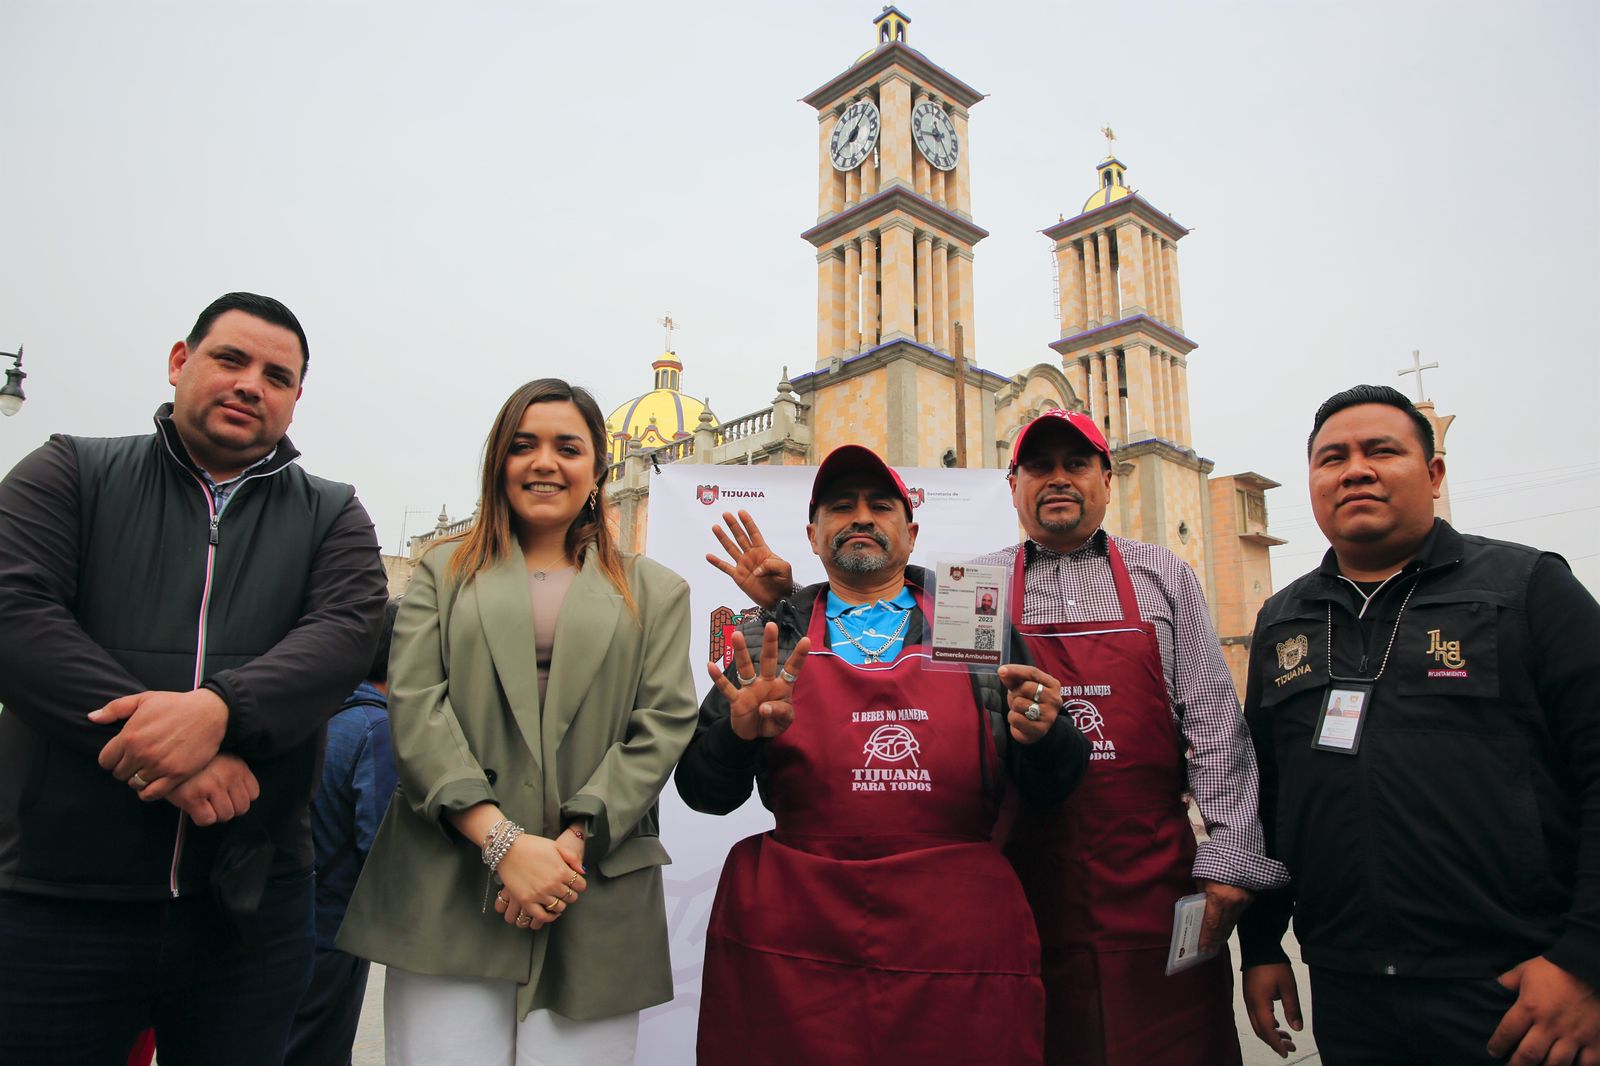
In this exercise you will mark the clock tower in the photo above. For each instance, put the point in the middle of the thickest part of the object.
(894, 240)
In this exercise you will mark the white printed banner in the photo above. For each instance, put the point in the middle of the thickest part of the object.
(959, 512)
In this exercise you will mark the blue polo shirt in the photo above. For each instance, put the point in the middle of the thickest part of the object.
(871, 624)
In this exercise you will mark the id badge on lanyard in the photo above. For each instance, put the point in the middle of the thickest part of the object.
(1345, 705)
(1347, 701)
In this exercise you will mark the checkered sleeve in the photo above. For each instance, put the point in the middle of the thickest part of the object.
(1222, 767)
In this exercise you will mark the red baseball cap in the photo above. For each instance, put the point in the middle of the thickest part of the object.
(851, 459)
(1077, 420)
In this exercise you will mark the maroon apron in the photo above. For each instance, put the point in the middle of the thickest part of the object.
(1103, 871)
(878, 922)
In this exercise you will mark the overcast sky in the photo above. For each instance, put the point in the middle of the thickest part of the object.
(458, 197)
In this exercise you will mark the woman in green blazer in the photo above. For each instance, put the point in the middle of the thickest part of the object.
(540, 696)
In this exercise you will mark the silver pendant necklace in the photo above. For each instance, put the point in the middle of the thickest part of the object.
(867, 653)
(539, 575)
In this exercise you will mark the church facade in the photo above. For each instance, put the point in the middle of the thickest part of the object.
(897, 358)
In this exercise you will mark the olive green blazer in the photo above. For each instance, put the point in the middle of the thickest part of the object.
(467, 725)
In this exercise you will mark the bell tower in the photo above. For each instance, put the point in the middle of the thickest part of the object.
(1123, 349)
(894, 240)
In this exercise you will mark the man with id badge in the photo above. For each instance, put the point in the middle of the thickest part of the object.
(1426, 712)
(1131, 977)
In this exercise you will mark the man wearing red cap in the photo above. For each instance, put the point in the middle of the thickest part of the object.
(877, 922)
(1125, 628)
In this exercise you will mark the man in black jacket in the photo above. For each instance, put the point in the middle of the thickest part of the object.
(179, 613)
(1426, 711)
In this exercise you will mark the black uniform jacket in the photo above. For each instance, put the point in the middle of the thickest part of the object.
(1464, 835)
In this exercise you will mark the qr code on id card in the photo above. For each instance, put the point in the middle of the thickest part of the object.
(983, 638)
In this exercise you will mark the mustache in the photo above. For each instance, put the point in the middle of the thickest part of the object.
(856, 531)
(1065, 494)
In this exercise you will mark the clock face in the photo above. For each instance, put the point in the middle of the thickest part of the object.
(935, 135)
(854, 135)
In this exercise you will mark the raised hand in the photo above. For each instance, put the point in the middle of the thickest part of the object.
(762, 703)
(760, 574)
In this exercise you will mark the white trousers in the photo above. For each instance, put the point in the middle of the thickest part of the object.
(467, 1021)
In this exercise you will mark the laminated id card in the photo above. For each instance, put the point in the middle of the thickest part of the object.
(971, 623)
(1344, 710)
(1188, 914)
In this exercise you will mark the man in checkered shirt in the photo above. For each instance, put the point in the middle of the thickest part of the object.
(1150, 689)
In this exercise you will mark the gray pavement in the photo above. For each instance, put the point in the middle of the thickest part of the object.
(369, 1038)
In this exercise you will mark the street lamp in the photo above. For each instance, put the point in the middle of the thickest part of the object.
(11, 396)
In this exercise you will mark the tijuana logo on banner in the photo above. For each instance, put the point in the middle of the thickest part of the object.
(918, 497)
(710, 494)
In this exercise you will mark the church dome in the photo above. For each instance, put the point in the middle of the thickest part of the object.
(660, 416)
(1112, 188)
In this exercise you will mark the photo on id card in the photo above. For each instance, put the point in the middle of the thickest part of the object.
(1344, 711)
(971, 624)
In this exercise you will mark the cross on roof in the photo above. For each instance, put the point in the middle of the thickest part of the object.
(670, 326)
(1110, 136)
(1417, 367)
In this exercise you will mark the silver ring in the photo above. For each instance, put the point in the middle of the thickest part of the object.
(138, 781)
(746, 681)
(1033, 712)
(1038, 690)
(788, 678)
(525, 920)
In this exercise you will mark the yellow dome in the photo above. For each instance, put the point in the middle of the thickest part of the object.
(660, 416)
(1112, 176)
(1105, 195)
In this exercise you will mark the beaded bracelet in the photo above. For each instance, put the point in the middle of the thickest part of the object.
(496, 843)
